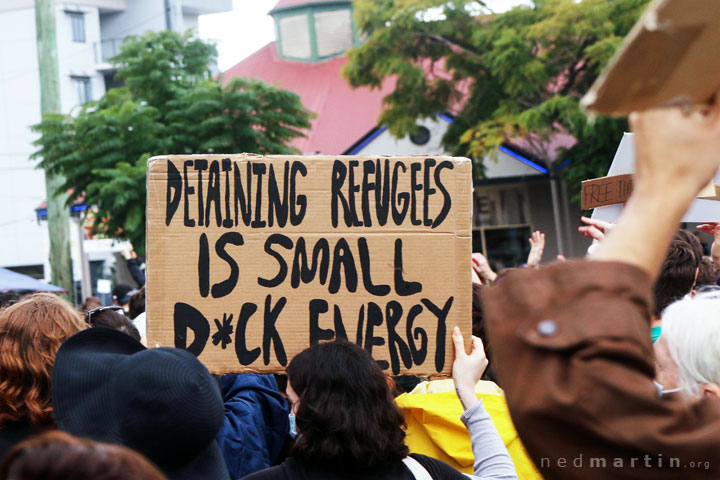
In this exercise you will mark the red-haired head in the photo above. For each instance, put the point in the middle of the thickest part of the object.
(31, 331)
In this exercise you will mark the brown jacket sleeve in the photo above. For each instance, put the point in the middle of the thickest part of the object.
(571, 345)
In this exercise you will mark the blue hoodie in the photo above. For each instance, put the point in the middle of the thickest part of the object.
(256, 423)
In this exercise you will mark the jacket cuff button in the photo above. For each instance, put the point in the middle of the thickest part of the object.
(547, 328)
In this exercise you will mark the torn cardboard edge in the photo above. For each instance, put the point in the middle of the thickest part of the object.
(705, 208)
(669, 57)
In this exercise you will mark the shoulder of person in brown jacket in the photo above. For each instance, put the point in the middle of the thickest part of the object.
(572, 342)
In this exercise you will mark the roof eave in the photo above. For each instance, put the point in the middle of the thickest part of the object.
(308, 4)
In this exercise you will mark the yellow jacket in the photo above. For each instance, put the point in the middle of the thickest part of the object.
(432, 412)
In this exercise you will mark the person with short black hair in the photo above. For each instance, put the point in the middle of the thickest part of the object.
(121, 295)
(677, 276)
(112, 317)
(136, 305)
(693, 242)
(676, 280)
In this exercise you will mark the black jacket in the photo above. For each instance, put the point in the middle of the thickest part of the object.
(292, 470)
(13, 433)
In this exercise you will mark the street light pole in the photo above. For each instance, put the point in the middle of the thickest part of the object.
(85, 281)
(554, 188)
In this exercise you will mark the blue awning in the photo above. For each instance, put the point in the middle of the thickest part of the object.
(16, 282)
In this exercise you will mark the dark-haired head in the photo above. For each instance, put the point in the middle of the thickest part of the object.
(677, 276)
(107, 318)
(8, 298)
(692, 242)
(478, 329)
(60, 456)
(90, 303)
(346, 416)
(137, 304)
(707, 273)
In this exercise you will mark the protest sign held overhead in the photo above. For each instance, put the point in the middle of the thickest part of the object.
(607, 195)
(610, 190)
(599, 192)
(252, 259)
(669, 57)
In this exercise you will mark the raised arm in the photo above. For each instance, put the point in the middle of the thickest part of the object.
(482, 267)
(714, 230)
(571, 342)
(537, 245)
(676, 155)
(492, 460)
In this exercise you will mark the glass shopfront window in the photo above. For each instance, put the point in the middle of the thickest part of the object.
(501, 224)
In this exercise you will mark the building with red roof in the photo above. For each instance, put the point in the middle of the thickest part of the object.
(341, 111)
(518, 194)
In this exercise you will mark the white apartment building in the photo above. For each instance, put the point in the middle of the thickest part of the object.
(88, 33)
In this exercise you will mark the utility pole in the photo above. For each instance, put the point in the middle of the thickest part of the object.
(57, 210)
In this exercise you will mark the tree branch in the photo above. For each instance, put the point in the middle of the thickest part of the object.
(455, 47)
(574, 72)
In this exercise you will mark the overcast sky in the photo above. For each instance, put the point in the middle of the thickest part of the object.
(241, 32)
(248, 28)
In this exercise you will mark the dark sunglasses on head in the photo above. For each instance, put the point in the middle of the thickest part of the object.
(90, 313)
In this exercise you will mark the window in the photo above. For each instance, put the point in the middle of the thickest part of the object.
(421, 136)
(83, 86)
(295, 36)
(501, 224)
(504, 247)
(77, 23)
(500, 205)
(334, 32)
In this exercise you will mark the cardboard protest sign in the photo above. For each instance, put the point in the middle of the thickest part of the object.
(599, 192)
(252, 259)
(669, 56)
(706, 208)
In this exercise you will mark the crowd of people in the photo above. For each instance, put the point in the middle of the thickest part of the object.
(610, 367)
(82, 397)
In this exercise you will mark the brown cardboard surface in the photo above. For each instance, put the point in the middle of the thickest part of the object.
(710, 192)
(384, 285)
(600, 192)
(670, 56)
(603, 191)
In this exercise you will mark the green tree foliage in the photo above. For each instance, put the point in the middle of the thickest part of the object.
(169, 104)
(516, 74)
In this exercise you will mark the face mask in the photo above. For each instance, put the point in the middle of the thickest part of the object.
(662, 392)
(293, 427)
